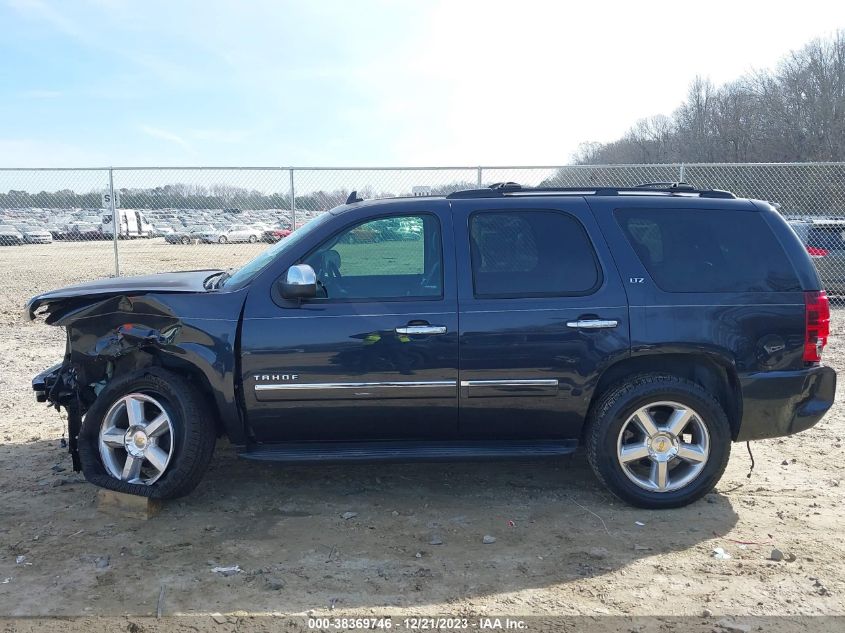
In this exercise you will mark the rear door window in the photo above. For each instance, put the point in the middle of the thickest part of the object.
(531, 254)
(708, 250)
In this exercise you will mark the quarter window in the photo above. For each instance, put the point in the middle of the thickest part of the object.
(531, 253)
(389, 258)
(708, 250)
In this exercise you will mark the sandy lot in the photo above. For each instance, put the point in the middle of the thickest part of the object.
(564, 545)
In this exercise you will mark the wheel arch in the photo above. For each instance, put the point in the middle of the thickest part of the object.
(197, 376)
(713, 372)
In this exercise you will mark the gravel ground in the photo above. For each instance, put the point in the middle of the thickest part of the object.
(416, 542)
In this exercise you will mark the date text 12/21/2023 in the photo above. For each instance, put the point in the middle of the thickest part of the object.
(421, 623)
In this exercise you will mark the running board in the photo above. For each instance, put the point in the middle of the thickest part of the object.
(412, 451)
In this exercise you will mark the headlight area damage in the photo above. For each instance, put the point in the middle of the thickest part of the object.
(126, 336)
(100, 346)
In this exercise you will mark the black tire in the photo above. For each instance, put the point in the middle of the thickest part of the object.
(614, 408)
(222, 239)
(193, 430)
(185, 241)
(253, 239)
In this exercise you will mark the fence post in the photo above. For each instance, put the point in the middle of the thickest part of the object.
(681, 175)
(479, 177)
(114, 223)
(292, 202)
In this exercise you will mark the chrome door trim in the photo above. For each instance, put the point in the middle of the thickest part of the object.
(355, 385)
(592, 324)
(421, 329)
(545, 382)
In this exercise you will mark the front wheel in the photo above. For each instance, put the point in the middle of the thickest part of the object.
(222, 239)
(148, 433)
(253, 239)
(658, 441)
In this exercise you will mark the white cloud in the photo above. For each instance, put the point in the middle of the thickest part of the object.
(165, 135)
(221, 135)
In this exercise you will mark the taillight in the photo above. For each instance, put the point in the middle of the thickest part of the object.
(817, 315)
(817, 252)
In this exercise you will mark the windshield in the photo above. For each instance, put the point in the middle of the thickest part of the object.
(266, 257)
(200, 228)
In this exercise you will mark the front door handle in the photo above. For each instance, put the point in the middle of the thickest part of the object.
(592, 324)
(421, 329)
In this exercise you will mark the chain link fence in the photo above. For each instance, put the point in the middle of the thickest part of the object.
(60, 226)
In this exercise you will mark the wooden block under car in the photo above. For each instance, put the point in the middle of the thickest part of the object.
(120, 504)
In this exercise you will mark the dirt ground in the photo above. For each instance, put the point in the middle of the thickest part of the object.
(563, 545)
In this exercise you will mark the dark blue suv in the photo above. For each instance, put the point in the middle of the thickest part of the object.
(652, 325)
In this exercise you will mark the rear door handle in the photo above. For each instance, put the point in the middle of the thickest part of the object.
(421, 329)
(592, 324)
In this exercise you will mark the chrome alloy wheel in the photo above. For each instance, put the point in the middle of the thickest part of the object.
(136, 439)
(663, 446)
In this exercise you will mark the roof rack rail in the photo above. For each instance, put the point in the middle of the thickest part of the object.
(505, 186)
(501, 189)
(665, 185)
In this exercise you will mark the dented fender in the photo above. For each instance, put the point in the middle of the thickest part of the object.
(185, 329)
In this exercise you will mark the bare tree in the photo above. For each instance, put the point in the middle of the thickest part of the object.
(795, 112)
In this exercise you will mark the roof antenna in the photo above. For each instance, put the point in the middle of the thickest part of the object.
(353, 197)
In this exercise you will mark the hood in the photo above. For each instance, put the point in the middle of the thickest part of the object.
(72, 297)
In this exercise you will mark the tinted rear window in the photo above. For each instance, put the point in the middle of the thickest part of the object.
(705, 250)
(531, 254)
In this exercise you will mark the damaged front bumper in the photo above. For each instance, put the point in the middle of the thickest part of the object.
(52, 385)
(57, 386)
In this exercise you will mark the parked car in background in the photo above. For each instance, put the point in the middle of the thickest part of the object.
(35, 235)
(274, 235)
(161, 230)
(189, 235)
(58, 226)
(394, 229)
(824, 239)
(234, 233)
(81, 231)
(9, 235)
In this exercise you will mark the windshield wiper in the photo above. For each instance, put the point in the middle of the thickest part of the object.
(221, 279)
(216, 280)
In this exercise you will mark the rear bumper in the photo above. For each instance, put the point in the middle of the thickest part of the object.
(779, 403)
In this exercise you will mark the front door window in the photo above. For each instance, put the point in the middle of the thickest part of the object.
(387, 259)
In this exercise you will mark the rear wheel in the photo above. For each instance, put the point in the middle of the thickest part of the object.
(253, 239)
(658, 441)
(148, 434)
(185, 240)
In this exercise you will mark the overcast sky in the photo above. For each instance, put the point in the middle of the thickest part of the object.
(375, 82)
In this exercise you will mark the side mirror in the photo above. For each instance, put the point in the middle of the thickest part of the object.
(299, 282)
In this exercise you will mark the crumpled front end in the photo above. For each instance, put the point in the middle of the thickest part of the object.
(58, 386)
(117, 332)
